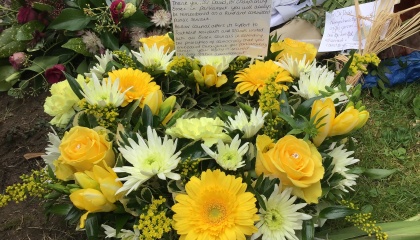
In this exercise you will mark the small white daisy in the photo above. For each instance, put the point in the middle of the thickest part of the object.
(313, 82)
(52, 150)
(154, 157)
(154, 57)
(248, 127)
(341, 159)
(295, 67)
(161, 18)
(281, 217)
(92, 42)
(221, 63)
(124, 234)
(103, 93)
(229, 157)
(99, 69)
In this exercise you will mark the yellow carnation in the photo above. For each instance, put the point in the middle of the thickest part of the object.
(207, 129)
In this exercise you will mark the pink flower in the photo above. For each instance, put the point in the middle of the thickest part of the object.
(55, 73)
(117, 9)
(26, 14)
(17, 60)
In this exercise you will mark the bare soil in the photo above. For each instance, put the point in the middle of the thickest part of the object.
(23, 129)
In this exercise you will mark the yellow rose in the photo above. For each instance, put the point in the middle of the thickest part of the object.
(294, 49)
(297, 163)
(91, 200)
(345, 122)
(81, 148)
(326, 111)
(211, 77)
(164, 41)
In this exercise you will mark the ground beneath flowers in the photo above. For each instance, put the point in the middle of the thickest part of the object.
(23, 129)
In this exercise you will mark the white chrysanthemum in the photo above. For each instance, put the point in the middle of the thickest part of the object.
(99, 69)
(103, 93)
(312, 83)
(52, 150)
(124, 234)
(341, 159)
(137, 33)
(154, 57)
(221, 63)
(161, 18)
(281, 217)
(92, 42)
(229, 157)
(249, 127)
(295, 66)
(154, 157)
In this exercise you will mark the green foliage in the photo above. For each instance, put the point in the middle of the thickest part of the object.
(77, 45)
(70, 19)
(8, 43)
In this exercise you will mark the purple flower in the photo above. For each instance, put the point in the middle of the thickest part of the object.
(26, 14)
(17, 60)
(55, 73)
(117, 8)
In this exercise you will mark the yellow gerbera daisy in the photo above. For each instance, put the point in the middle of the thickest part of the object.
(215, 207)
(140, 84)
(254, 77)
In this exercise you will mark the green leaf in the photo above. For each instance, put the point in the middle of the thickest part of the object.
(83, 67)
(73, 215)
(335, 212)
(375, 173)
(77, 45)
(92, 226)
(98, 3)
(26, 31)
(75, 86)
(138, 19)
(121, 220)
(343, 73)
(285, 107)
(42, 7)
(8, 43)
(40, 64)
(304, 109)
(70, 19)
(60, 209)
(147, 117)
(109, 40)
(146, 195)
(308, 230)
(5, 72)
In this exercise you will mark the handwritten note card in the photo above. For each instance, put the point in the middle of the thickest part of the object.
(341, 28)
(221, 27)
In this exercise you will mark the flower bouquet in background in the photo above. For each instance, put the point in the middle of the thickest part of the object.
(40, 39)
(151, 145)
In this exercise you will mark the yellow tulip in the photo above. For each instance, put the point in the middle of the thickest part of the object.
(85, 181)
(153, 100)
(326, 110)
(63, 171)
(345, 122)
(363, 117)
(108, 184)
(211, 77)
(91, 200)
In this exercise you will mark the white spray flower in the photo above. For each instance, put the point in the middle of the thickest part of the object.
(229, 157)
(281, 217)
(52, 150)
(295, 66)
(161, 18)
(154, 57)
(100, 68)
(249, 127)
(155, 157)
(103, 93)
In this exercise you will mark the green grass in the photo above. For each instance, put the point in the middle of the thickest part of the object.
(390, 140)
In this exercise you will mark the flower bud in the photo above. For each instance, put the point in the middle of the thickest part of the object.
(154, 100)
(166, 107)
(345, 122)
(363, 117)
(17, 60)
(129, 10)
(85, 181)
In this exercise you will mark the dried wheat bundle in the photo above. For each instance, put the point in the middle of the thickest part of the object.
(387, 30)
